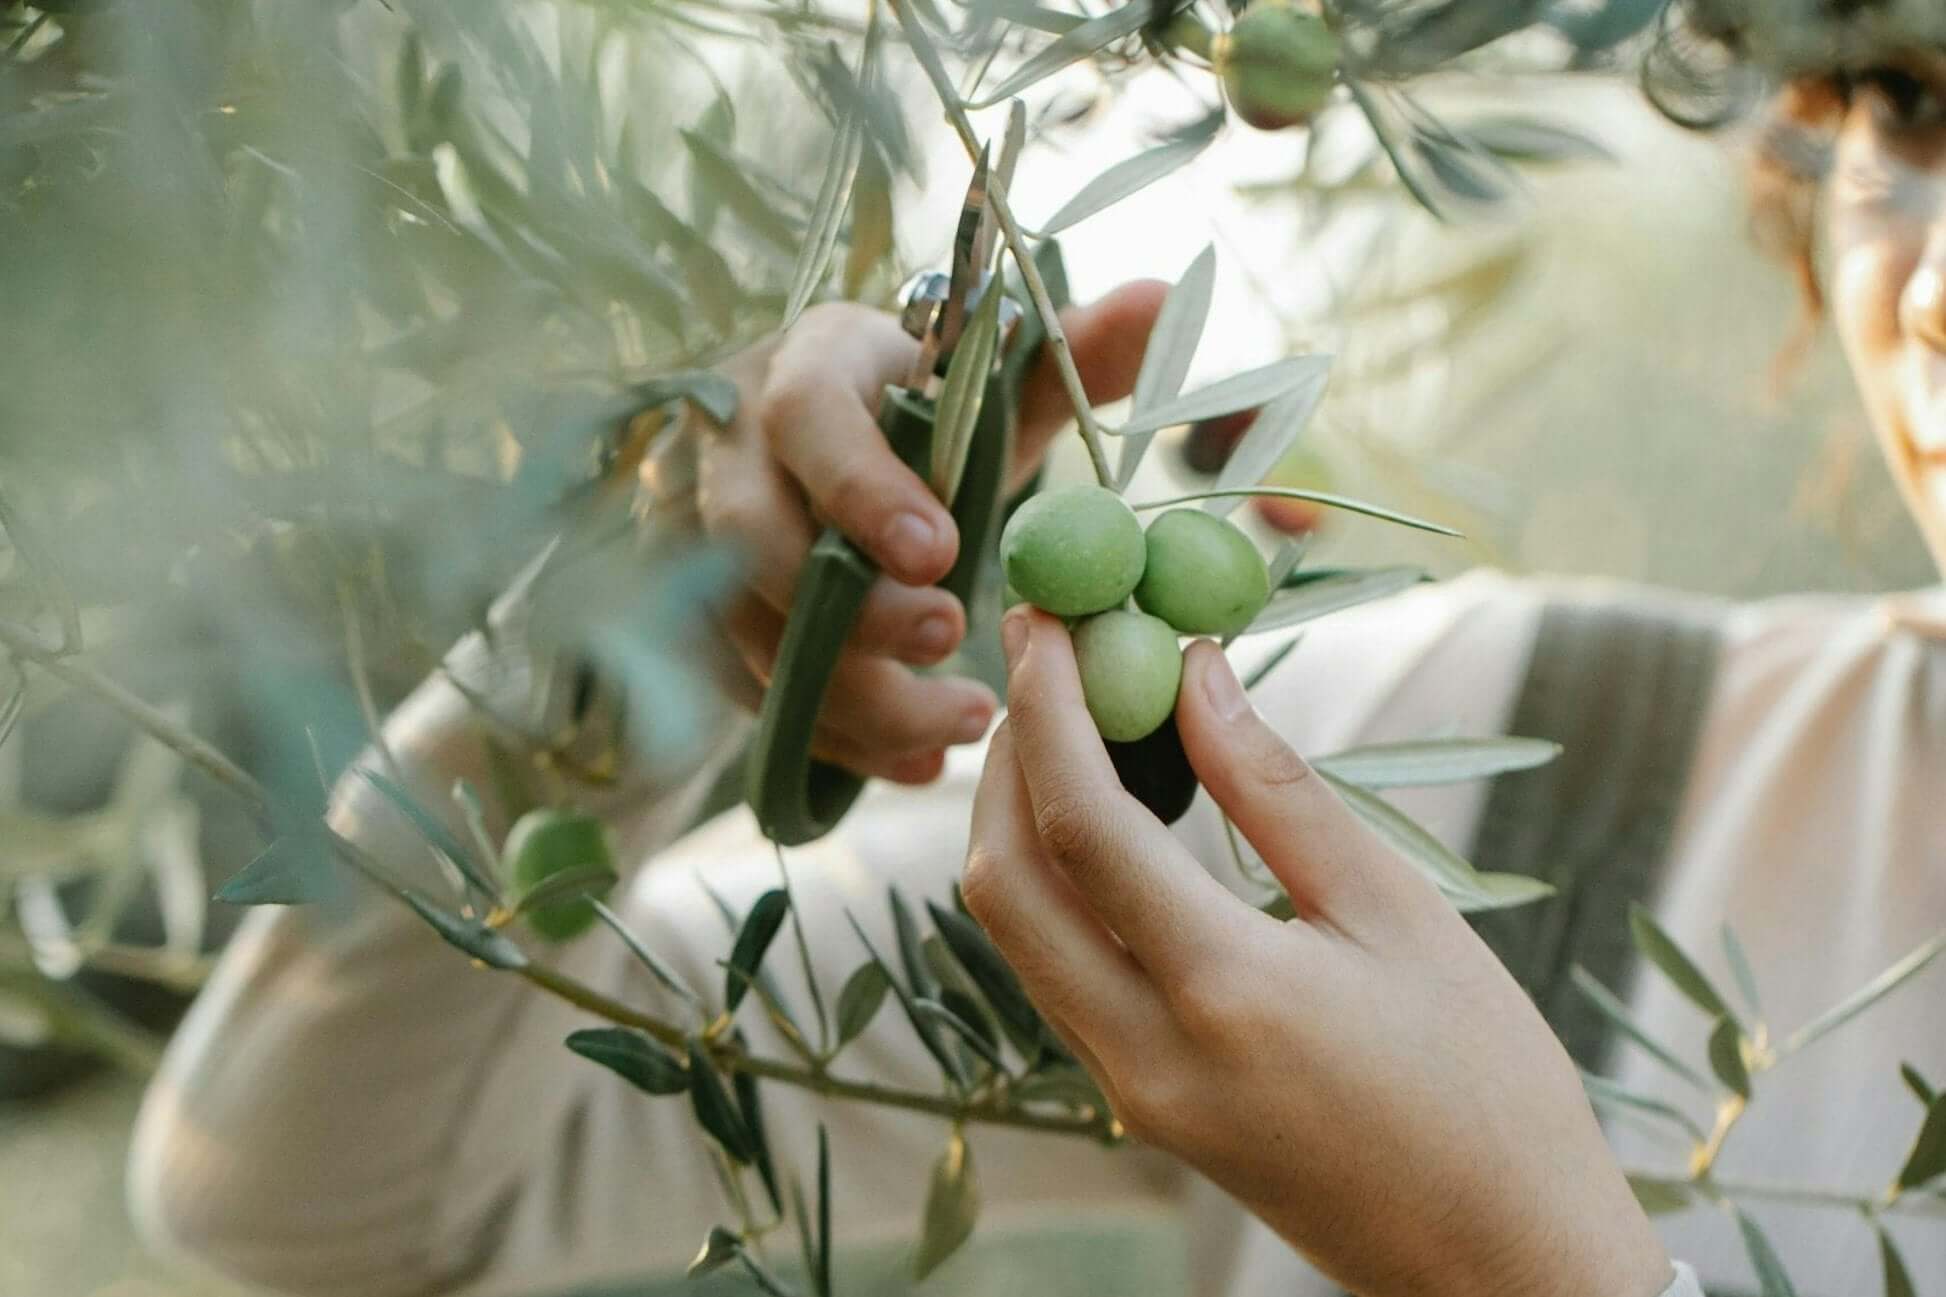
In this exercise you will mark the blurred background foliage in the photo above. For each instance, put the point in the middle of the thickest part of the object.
(315, 315)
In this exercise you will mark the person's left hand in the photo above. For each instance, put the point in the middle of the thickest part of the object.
(1366, 1078)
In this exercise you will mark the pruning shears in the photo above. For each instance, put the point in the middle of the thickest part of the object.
(796, 797)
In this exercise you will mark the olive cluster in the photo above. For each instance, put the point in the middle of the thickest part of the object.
(1278, 61)
(1079, 552)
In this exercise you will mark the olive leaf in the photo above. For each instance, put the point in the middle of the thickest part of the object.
(292, 870)
(1927, 1157)
(1772, 1280)
(1310, 595)
(433, 830)
(1170, 350)
(977, 1041)
(1660, 949)
(1245, 391)
(1873, 991)
(580, 882)
(1658, 1197)
(822, 1277)
(952, 1207)
(1611, 1007)
(1606, 1093)
(921, 1027)
(1726, 1056)
(473, 812)
(834, 193)
(1325, 498)
(1261, 672)
(728, 179)
(470, 935)
(1898, 1280)
(719, 1248)
(635, 1057)
(989, 971)
(750, 1105)
(963, 394)
(1746, 980)
(871, 222)
(1525, 139)
(709, 392)
(912, 952)
(760, 928)
(859, 1001)
(1077, 44)
(658, 969)
(1916, 1082)
(1268, 440)
(1132, 175)
(1436, 761)
(714, 1111)
(1468, 889)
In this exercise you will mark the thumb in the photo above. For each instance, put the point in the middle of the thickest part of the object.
(1325, 857)
(1108, 338)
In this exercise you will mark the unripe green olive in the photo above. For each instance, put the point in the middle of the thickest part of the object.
(1131, 667)
(1073, 551)
(1203, 576)
(543, 843)
(1278, 64)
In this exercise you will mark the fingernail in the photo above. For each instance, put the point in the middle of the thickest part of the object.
(933, 637)
(1224, 691)
(1013, 635)
(909, 541)
(973, 724)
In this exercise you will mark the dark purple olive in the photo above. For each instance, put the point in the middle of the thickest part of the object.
(1156, 770)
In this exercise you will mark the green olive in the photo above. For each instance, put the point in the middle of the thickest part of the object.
(1278, 64)
(1204, 576)
(545, 842)
(1130, 667)
(1073, 551)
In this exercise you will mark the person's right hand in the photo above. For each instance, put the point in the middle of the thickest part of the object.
(1367, 1078)
(805, 451)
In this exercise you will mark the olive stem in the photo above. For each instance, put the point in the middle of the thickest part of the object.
(1030, 273)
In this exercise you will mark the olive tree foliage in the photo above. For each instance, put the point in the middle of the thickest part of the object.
(326, 323)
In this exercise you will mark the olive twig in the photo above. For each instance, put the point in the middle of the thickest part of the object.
(1030, 274)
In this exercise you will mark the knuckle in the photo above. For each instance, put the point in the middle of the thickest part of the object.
(981, 886)
(787, 403)
(1150, 1104)
(857, 495)
(1279, 767)
(1068, 823)
(1205, 1005)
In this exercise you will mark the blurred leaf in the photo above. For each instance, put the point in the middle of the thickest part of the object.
(962, 395)
(834, 191)
(1326, 498)
(709, 392)
(1604, 1091)
(728, 178)
(1659, 949)
(1898, 1280)
(1245, 391)
(1436, 761)
(871, 223)
(822, 1276)
(1132, 175)
(927, 1033)
(433, 830)
(1077, 44)
(952, 1207)
(1740, 970)
(1167, 356)
(760, 928)
(293, 870)
(859, 1001)
(650, 960)
(714, 1111)
(470, 935)
(1612, 1008)
(750, 1105)
(1771, 1278)
(1921, 1088)
(719, 1249)
(976, 1040)
(572, 884)
(635, 1057)
(1267, 442)
(1467, 174)
(1873, 991)
(474, 813)
(1314, 599)
(1726, 1056)
(44, 568)
(1468, 889)
(1658, 1197)
(1261, 672)
(1927, 1157)
(1525, 139)
(997, 982)
(912, 953)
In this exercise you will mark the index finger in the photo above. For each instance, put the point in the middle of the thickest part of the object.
(817, 418)
(1128, 867)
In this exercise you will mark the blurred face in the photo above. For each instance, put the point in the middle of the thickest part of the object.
(1887, 224)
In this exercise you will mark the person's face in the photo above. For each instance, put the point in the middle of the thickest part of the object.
(1887, 223)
